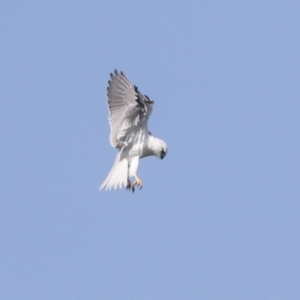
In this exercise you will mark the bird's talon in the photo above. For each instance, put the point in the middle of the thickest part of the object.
(138, 182)
(130, 187)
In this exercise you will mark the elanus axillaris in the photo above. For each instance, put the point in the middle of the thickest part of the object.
(129, 111)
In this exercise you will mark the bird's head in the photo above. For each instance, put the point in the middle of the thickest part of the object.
(160, 148)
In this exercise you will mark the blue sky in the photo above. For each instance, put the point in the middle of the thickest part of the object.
(218, 218)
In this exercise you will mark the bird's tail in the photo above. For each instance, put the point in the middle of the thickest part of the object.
(117, 177)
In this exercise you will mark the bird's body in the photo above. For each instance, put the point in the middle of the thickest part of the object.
(129, 111)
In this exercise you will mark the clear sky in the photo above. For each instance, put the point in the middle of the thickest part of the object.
(218, 218)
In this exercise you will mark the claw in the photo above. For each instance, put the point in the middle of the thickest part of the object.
(138, 182)
(130, 186)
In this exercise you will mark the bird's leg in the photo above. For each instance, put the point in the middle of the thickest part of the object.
(130, 186)
(138, 182)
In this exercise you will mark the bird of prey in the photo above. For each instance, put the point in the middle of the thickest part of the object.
(129, 111)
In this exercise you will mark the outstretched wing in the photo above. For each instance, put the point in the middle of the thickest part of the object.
(128, 108)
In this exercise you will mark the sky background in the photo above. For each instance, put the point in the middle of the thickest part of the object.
(218, 218)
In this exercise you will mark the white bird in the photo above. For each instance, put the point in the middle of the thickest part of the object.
(129, 111)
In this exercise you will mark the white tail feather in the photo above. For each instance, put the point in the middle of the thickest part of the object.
(117, 177)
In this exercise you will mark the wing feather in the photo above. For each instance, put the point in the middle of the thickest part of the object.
(127, 108)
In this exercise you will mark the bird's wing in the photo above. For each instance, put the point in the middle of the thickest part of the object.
(128, 108)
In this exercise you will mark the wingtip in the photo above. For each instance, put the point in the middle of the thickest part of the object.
(116, 73)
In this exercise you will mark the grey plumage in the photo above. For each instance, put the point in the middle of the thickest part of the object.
(127, 107)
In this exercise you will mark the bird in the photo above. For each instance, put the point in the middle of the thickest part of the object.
(129, 111)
